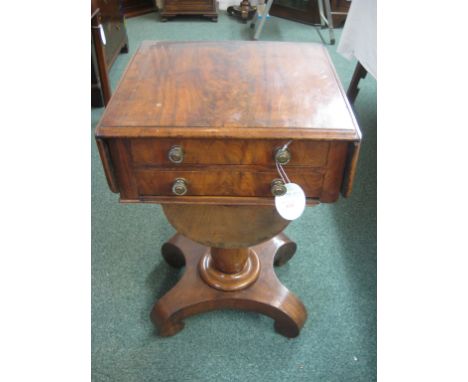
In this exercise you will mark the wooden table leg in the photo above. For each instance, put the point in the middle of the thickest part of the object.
(353, 90)
(264, 294)
(101, 57)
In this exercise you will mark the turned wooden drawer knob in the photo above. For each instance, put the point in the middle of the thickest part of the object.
(282, 156)
(176, 154)
(179, 187)
(278, 188)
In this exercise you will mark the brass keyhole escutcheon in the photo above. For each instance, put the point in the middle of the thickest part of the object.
(179, 187)
(282, 156)
(176, 154)
(277, 187)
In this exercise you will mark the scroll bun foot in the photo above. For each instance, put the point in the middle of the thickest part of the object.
(166, 325)
(290, 324)
(172, 252)
(284, 249)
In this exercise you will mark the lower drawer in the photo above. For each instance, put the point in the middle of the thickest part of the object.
(151, 182)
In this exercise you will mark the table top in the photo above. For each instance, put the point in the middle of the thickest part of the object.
(237, 89)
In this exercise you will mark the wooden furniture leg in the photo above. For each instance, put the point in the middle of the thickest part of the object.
(258, 289)
(283, 247)
(101, 57)
(353, 90)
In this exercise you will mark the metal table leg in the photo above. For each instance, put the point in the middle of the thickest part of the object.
(326, 20)
(261, 15)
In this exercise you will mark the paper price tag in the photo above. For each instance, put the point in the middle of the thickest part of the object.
(103, 35)
(291, 205)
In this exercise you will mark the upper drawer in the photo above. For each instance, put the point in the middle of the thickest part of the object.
(234, 151)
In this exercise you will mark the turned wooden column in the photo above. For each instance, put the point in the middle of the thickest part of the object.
(229, 269)
(229, 260)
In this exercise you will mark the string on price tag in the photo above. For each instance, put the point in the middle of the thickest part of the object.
(103, 35)
(292, 204)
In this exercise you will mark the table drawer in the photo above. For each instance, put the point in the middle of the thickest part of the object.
(150, 182)
(139, 177)
(234, 151)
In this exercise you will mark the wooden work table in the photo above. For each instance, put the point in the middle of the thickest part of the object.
(198, 127)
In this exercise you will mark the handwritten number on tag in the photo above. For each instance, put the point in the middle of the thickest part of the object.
(292, 204)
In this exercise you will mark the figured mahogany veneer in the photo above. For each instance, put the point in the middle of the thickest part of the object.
(145, 152)
(149, 173)
(224, 109)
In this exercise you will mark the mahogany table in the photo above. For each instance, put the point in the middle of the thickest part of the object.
(199, 128)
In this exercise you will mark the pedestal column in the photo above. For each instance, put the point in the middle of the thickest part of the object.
(229, 269)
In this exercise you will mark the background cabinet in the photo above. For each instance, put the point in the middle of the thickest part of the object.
(111, 17)
(206, 8)
(307, 11)
(341, 7)
(132, 8)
